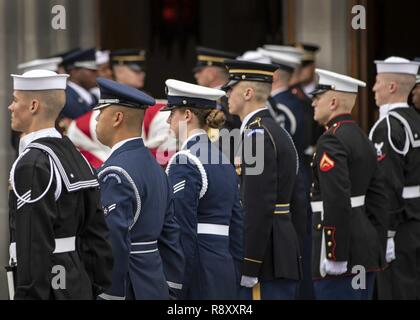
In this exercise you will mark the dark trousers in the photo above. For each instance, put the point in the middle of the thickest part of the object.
(306, 286)
(340, 288)
(401, 281)
(271, 290)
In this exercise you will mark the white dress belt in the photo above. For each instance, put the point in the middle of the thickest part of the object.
(356, 202)
(411, 192)
(62, 245)
(214, 229)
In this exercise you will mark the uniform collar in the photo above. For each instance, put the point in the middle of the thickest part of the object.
(249, 117)
(193, 139)
(43, 133)
(386, 108)
(340, 118)
(121, 143)
(278, 91)
(82, 92)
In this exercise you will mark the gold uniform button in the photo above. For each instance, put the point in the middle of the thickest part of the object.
(330, 244)
(330, 255)
(329, 233)
(319, 227)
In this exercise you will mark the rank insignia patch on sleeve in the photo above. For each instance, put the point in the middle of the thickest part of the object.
(380, 155)
(326, 163)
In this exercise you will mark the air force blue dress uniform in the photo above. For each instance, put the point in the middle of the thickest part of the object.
(207, 205)
(137, 201)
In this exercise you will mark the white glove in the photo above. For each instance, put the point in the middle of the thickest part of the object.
(248, 282)
(334, 268)
(390, 250)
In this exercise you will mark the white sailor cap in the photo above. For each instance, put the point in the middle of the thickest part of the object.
(38, 80)
(329, 80)
(102, 57)
(287, 61)
(183, 94)
(397, 65)
(296, 52)
(41, 64)
(254, 56)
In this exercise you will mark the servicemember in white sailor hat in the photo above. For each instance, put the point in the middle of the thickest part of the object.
(53, 202)
(396, 137)
(286, 108)
(206, 195)
(348, 205)
(254, 56)
(50, 64)
(300, 122)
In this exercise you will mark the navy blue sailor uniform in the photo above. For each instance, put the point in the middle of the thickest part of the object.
(286, 109)
(348, 204)
(138, 205)
(207, 205)
(288, 112)
(58, 236)
(396, 139)
(56, 220)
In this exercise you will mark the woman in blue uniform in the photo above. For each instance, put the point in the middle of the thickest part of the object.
(206, 195)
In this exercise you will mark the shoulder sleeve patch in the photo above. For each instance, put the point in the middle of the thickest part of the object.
(326, 164)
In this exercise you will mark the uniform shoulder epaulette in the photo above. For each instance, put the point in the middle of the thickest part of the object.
(335, 128)
(255, 127)
(255, 124)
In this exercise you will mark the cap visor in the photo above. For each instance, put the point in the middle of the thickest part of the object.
(317, 92)
(229, 85)
(135, 67)
(101, 106)
(168, 108)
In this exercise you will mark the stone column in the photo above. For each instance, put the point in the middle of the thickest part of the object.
(325, 22)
